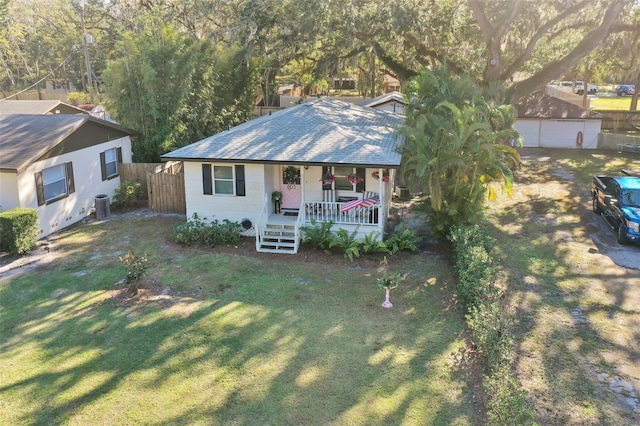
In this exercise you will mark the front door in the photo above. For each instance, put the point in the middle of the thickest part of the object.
(290, 186)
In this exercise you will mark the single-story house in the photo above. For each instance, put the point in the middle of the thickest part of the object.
(330, 161)
(9, 106)
(58, 164)
(548, 122)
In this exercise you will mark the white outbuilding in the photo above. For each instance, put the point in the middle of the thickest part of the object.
(548, 122)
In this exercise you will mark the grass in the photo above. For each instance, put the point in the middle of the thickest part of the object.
(611, 103)
(554, 277)
(228, 340)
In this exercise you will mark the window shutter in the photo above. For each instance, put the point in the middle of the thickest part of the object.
(39, 188)
(207, 180)
(240, 186)
(119, 157)
(325, 171)
(71, 186)
(361, 185)
(103, 166)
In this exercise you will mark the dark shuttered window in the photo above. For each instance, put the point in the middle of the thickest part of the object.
(207, 180)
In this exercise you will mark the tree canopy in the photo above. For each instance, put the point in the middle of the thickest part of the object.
(525, 44)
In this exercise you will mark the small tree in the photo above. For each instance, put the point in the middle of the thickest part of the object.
(136, 268)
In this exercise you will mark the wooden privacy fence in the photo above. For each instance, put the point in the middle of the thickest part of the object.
(163, 183)
(620, 120)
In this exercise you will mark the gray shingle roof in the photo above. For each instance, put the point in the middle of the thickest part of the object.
(540, 105)
(37, 107)
(26, 138)
(383, 99)
(321, 131)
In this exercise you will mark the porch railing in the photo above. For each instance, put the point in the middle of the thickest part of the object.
(323, 211)
(261, 224)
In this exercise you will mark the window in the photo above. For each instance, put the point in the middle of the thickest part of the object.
(54, 183)
(349, 178)
(223, 180)
(341, 178)
(109, 160)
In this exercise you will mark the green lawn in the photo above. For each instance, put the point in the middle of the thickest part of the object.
(228, 339)
(611, 103)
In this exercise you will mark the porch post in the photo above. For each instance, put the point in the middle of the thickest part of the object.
(382, 213)
(302, 189)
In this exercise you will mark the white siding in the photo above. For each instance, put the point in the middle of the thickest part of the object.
(88, 183)
(550, 133)
(530, 131)
(9, 198)
(220, 207)
(560, 133)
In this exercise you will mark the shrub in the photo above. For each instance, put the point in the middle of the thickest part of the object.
(78, 98)
(319, 235)
(129, 194)
(18, 230)
(136, 267)
(506, 400)
(473, 265)
(404, 239)
(198, 231)
(371, 244)
(490, 334)
(347, 241)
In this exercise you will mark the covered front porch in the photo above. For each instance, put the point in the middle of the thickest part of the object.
(359, 206)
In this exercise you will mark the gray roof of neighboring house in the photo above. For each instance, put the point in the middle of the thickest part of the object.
(26, 138)
(383, 99)
(37, 107)
(541, 105)
(321, 131)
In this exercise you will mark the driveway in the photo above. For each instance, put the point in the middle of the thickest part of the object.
(601, 286)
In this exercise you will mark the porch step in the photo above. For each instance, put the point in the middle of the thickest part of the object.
(278, 238)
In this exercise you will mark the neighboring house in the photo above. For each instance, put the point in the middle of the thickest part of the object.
(548, 122)
(393, 102)
(390, 84)
(296, 151)
(60, 86)
(38, 107)
(57, 164)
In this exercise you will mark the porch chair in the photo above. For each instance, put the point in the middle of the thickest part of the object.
(370, 194)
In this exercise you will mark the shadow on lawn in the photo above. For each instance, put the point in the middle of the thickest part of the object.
(570, 319)
(249, 352)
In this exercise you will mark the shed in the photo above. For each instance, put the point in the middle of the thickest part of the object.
(548, 122)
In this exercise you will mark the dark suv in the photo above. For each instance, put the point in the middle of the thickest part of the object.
(625, 89)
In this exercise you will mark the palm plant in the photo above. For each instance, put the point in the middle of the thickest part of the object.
(456, 149)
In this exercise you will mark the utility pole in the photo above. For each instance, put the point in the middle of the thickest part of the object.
(86, 40)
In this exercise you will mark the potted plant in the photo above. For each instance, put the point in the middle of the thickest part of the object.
(385, 175)
(328, 179)
(355, 178)
(276, 197)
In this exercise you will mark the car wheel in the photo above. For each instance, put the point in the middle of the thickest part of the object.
(622, 235)
(580, 92)
(623, 93)
(596, 206)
